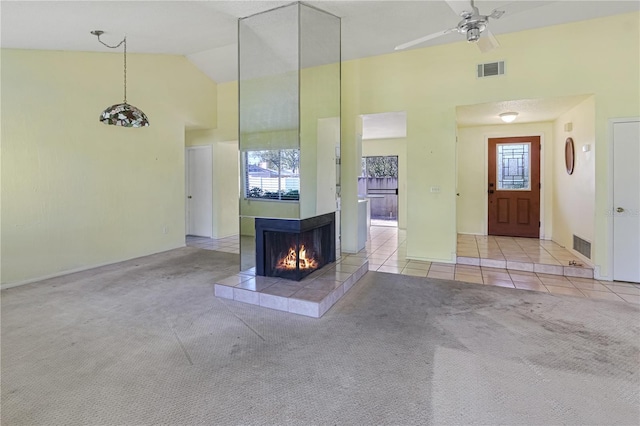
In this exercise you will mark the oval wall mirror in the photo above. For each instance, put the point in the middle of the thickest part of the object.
(569, 157)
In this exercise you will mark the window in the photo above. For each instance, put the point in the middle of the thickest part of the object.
(513, 164)
(379, 167)
(272, 175)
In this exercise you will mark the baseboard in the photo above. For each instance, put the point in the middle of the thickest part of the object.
(588, 262)
(5, 286)
(219, 237)
(431, 259)
(598, 276)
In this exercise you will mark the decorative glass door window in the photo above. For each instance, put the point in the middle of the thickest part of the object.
(513, 166)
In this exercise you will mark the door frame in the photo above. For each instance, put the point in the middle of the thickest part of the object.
(609, 213)
(397, 186)
(186, 186)
(543, 180)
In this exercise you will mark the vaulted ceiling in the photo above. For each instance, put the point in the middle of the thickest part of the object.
(206, 31)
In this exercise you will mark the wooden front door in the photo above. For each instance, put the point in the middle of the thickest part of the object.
(514, 186)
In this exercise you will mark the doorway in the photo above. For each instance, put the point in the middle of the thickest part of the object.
(199, 191)
(514, 186)
(626, 200)
(378, 182)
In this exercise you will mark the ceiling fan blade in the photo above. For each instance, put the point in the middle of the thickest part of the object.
(487, 42)
(423, 39)
(517, 7)
(459, 6)
(496, 14)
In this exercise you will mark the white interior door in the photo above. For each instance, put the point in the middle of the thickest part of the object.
(626, 201)
(199, 191)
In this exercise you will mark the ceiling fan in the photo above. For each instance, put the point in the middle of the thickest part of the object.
(473, 24)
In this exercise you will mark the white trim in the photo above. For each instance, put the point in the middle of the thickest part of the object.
(598, 276)
(609, 235)
(485, 178)
(543, 165)
(81, 269)
(434, 260)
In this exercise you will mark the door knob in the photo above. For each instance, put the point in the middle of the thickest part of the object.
(189, 196)
(619, 209)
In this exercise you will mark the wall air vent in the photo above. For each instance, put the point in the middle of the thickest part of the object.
(582, 246)
(490, 69)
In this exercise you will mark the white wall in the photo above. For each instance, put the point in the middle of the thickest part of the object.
(574, 195)
(471, 206)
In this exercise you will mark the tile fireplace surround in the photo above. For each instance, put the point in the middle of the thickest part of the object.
(312, 296)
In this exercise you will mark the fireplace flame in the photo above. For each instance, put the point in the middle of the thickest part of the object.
(289, 261)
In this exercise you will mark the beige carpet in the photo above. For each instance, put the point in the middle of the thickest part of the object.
(146, 342)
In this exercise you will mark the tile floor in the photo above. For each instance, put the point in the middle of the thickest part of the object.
(386, 252)
(312, 296)
(520, 254)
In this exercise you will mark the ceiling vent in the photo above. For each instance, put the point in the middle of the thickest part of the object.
(490, 69)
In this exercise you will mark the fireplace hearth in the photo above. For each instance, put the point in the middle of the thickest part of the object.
(293, 249)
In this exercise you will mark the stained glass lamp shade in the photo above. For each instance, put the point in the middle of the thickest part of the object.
(123, 114)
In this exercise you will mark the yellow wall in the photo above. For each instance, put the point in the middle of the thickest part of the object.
(574, 195)
(471, 204)
(226, 169)
(77, 193)
(227, 123)
(226, 173)
(225, 176)
(319, 101)
(227, 160)
(326, 185)
(429, 83)
(225, 138)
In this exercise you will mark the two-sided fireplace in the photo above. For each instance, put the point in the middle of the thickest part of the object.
(291, 248)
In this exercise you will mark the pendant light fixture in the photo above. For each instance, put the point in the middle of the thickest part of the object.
(122, 114)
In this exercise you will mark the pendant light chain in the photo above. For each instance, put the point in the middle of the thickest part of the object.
(125, 69)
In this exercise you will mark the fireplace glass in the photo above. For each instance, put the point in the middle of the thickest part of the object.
(292, 249)
(293, 256)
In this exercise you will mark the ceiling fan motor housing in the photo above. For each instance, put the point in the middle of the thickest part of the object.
(473, 26)
(473, 34)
